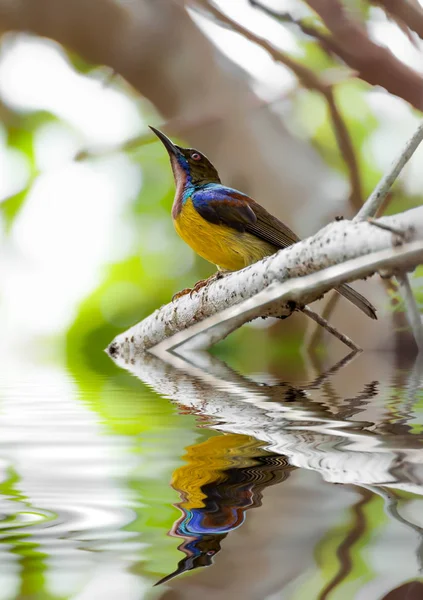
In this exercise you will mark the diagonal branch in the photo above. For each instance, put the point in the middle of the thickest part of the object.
(262, 283)
(325, 40)
(377, 197)
(334, 245)
(205, 334)
(323, 324)
(159, 50)
(375, 64)
(408, 12)
(310, 80)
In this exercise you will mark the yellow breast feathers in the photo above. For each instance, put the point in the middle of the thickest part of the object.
(228, 249)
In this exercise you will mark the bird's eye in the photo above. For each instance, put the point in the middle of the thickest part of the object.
(196, 156)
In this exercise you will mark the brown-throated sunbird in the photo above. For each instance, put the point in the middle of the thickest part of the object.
(223, 225)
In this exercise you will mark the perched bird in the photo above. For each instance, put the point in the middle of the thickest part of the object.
(223, 225)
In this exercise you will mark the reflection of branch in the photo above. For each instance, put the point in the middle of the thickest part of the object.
(345, 549)
(320, 379)
(391, 506)
(292, 425)
(413, 313)
(375, 64)
(312, 81)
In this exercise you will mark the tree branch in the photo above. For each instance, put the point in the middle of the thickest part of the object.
(377, 197)
(163, 54)
(334, 245)
(279, 297)
(323, 324)
(375, 64)
(339, 242)
(310, 80)
(410, 13)
(325, 40)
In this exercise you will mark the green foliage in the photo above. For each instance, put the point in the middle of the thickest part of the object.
(137, 281)
(158, 264)
(20, 132)
(11, 207)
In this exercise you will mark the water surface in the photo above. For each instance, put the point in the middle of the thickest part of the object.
(302, 483)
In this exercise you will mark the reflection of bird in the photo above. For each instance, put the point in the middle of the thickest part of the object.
(223, 478)
(225, 226)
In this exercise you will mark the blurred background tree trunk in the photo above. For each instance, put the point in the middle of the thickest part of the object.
(159, 50)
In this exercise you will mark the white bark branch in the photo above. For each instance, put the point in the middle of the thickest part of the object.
(265, 288)
(376, 198)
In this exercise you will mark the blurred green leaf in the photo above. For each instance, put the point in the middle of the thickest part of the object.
(11, 207)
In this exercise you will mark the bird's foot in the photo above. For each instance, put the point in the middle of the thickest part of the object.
(183, 292)
(190, 291)
(198, 286)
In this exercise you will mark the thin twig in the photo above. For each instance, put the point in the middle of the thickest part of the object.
(328, 309)
(310, 80)
(413, 313)
(378, 195)
(323, 323)
(385, 227)
(325, 40)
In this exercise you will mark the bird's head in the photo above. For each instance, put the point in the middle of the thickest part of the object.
(188, 164)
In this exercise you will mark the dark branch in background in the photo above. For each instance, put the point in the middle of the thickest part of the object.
(158, 49)
(405, 13)
(325, 41)
(310, 80)
(375, 64)
(409, 13)
(349, 41)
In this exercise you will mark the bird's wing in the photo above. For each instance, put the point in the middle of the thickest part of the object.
(270, 229)
(224, 206)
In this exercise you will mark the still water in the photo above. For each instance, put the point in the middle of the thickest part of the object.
(304, 483)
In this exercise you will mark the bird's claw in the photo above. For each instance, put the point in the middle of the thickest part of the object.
(197, 287)
(200, 284)
(183, 292)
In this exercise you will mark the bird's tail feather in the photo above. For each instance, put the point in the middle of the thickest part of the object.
(360, 301)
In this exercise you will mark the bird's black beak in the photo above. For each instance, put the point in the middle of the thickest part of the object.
(167, 143)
